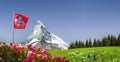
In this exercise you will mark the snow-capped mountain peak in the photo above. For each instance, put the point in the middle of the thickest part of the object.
(40, 37)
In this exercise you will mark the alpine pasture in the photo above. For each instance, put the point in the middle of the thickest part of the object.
(94, 54)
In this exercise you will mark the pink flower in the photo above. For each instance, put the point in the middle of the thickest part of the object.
(44, 51)
(63, 57)
(14, 46)
(18, 51)
(33, 49)
(7, 45)
(66, 61)
(0, 46)
(54, 58)
(43, 56)
(31, 54)
(27, 60)
(22, 47)
(29, 45)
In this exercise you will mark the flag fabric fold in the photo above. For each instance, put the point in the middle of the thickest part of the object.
(19, 21)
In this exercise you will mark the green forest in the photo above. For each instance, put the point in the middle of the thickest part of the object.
(110, 40)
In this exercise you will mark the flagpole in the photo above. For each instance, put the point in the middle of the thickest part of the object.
(13, 26)
(13, 35)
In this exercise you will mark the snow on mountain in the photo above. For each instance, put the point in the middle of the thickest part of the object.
(40, 37)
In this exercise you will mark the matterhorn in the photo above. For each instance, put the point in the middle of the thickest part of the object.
(40, 37)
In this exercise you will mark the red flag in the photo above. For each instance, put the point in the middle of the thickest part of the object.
(19, 21)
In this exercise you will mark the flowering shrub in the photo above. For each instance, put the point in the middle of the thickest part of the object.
(18, 53)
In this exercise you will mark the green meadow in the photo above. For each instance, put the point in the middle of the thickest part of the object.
(93, 54)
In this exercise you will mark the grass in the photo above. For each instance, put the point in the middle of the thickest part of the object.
(94, 54)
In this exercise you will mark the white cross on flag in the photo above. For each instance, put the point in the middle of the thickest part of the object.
(19, 21)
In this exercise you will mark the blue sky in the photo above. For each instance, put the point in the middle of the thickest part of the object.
(69, 19)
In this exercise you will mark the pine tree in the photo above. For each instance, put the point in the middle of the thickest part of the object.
(76, 44)
(86, 44)
(82, 44)
(99, 43)
(118, 40)
(94, 43)
(90, 43)
(72, 45)
(79, 44)
(104, 41)
(112, 40)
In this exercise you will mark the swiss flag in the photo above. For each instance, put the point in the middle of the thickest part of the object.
(19, 21)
